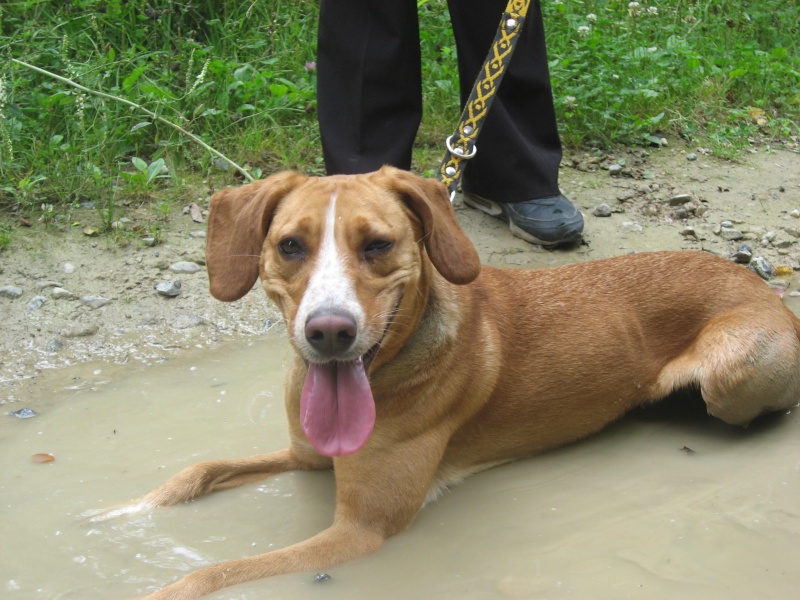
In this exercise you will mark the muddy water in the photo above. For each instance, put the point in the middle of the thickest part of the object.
(655, 507)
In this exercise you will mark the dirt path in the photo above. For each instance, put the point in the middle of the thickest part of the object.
(97, 300)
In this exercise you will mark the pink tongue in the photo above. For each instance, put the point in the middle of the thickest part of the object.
(336, 407)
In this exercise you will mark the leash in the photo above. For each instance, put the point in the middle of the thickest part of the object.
(461, 145)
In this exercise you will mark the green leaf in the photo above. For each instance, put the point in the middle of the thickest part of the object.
(140, 126)
(278, 90)
(154, 170)
(130, 80)
(139, 164)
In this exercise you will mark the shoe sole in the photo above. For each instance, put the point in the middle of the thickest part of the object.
(493, 209)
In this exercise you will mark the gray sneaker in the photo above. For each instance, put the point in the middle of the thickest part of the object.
(546, 221)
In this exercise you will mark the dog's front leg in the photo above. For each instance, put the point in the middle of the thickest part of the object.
(214, 475)
(341, 542)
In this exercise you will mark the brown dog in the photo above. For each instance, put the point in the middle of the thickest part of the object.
(415, 367)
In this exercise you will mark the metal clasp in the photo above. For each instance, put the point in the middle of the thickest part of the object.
(458, 151)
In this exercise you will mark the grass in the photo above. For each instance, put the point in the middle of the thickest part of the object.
(240, 76)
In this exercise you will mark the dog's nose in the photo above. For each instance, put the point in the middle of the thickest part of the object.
(331, 332)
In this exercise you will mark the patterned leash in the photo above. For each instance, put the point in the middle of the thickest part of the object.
(461, 145)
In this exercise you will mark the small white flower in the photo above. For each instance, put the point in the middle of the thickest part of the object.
(652, 48)
(634, 9)
(653, 10)
(591, 17)
(614, 76)
(570, 101)
(584, 31)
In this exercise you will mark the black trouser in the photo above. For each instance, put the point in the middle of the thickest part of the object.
(370, 105)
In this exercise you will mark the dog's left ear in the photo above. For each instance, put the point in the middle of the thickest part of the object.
(449, 248)
(238, 221)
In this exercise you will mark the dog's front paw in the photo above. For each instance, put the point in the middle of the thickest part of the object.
(96, 515)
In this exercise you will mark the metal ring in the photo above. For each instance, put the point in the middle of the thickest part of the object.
(460, 154)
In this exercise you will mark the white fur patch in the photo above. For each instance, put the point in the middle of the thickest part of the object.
(329, 287)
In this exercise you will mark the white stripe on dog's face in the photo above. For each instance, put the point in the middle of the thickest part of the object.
(329, 287)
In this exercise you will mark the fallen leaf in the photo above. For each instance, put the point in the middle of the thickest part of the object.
(43, 458)
(90, 231)
(194, 211)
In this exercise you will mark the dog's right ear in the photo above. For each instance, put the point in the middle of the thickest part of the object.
(238, 222)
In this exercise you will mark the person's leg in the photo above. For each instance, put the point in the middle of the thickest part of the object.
(369, 96)
(519, 150)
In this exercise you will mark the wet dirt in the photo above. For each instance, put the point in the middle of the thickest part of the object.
(651, 508)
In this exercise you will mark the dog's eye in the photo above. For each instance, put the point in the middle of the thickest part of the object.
(377, 247)
(291, 248)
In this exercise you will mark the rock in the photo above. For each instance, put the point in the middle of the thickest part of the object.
(68, 267)
(10, 291)
(632, 226)
(795, 213)
(43, 285)
(680, 213)
(763, 268)
(81, 331)
(792, 231)
(59, 293)
(197, 234)
(184, 267)
(730, 234)
(691, 156)
(743, 255)
(701, 210)
(321, 577)
(185, 321)
(615, 169)
(688, 232)
(680, 199)
(36, 302)
(95, 301)
(23, 413)
(170, 289)
(149, 241)
(55, 345)
(603, 210)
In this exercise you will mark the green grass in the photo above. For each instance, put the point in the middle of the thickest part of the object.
(240, 76)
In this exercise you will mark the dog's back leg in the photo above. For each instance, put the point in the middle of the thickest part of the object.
(746, 362)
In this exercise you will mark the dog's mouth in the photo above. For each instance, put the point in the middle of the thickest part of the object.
(337, 410)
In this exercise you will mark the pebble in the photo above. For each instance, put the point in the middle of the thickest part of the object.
(689, 232)
(632, 226)
(59, 293)
(9, 291)
(691, 156)
(743, 255)
(68, 268)
(184, 267)
(149, 241)
(792, 231)
(24, 413)
(55, 345)
(95, 301)
(43, 285)
(615, 169)
(36, 302)
(730, 234)
(762, 267)
(680, 199)
(186, 321)
(197, 234)
(320, 577)
(81, 331)
(795, 213)
(170, 289)
(603, 210)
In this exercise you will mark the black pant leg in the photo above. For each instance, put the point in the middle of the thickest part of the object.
(519, 150)
(369, 95)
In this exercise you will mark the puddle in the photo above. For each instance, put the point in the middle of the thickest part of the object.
(627, 514)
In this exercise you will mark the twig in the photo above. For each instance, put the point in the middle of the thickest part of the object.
(141, 108)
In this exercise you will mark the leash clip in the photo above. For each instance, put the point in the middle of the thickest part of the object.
(459, 152)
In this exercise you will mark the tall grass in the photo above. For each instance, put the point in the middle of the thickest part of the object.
(241, 76)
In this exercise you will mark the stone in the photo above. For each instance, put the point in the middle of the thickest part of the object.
(730, 234)
(59, 293)
(615, 169)
(763, 268)
(36, 302)
(185, 267)
(603, 210)
(95, 301)
(10, 291)
(170, 289)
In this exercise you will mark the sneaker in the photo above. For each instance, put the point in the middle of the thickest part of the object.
(545, 221)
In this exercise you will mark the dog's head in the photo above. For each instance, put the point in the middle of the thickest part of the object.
(345, 258)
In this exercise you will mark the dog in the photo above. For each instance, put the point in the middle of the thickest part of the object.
(415, 367)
